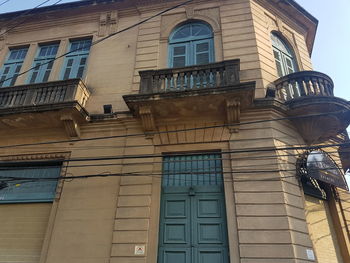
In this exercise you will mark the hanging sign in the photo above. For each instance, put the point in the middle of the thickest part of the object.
(321, 167)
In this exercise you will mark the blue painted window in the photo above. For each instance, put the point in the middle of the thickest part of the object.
(12, 66)
(45, 55)
(284, 56)
(191, 44)
(29, 190)
(76, 61)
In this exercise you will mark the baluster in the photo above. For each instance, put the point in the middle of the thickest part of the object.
(222, 80)
(321, 86)
(214, 78)
(169, 80)
(163, 83)
(286, 87)
(201, 79)
(155, 84)
(329, 88)
(308, 86)
(315, 86)
(296, 92)
(188, 80)
(207, 78)
(301, 87)
(195, 79)
(8, 99)
(182, 82)
(60, 92)
(279, 92)
(18, 98)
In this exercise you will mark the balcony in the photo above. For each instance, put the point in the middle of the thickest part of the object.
(44, 105)
(311, 93)
(179, 94)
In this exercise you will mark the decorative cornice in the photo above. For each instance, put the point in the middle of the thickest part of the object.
(36, 157)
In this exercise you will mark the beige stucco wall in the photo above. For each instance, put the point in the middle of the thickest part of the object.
(322, 231)
(100, 220)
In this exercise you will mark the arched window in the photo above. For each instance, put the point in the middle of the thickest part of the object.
(191, 44)
(284, 56)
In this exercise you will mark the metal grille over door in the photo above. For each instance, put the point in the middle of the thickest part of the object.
(193, 216)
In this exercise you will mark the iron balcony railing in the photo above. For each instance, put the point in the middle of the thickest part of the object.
(44, 93)
(211, 75)
(302, 84)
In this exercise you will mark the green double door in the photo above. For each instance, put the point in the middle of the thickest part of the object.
(193, 225)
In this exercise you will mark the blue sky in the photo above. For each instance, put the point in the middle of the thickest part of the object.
(330, 54)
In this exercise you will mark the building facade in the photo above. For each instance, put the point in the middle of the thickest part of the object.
(170, 132)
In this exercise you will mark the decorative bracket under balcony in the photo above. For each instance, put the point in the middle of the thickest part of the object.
(71, 126)
(233, 110)
(147, 120)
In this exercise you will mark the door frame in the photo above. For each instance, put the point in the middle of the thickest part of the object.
(231, 216)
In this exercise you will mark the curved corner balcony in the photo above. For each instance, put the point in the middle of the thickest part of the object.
(310, 93)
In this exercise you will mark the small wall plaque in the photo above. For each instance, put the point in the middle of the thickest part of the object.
(139, 250)
(310, 254)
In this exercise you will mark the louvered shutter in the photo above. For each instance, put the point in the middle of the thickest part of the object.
(29, 190)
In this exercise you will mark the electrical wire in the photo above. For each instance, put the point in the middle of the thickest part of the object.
(251, 166)
(157, 175)
(100, 40)
(24, 20)
(4, 2)
(175, 131)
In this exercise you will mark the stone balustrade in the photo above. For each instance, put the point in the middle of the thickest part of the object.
(211, 75)
(302, 84)
(44, 94)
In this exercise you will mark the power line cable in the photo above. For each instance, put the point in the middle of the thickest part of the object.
(4, 2)
(100, 40)
(158, 175)
(174, 131)
(146, 156)
(24, 20)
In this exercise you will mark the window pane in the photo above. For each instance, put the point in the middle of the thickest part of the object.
(203, 47)
(278, 63)
(179, 62)
(200, 30)
(202, 58)
(183, 33)
(66, 73)
(179, 50)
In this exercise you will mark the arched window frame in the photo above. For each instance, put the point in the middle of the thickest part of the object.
(190, 45)
(285, 59)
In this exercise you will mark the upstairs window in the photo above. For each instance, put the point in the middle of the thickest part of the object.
(75, 62)
(284, 56)
(191, 44)
(12, 66)
(43, 63)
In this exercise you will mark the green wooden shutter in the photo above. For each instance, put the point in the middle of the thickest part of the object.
(202, 50)
(43, 64)
(29, 190)
(76, 61)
